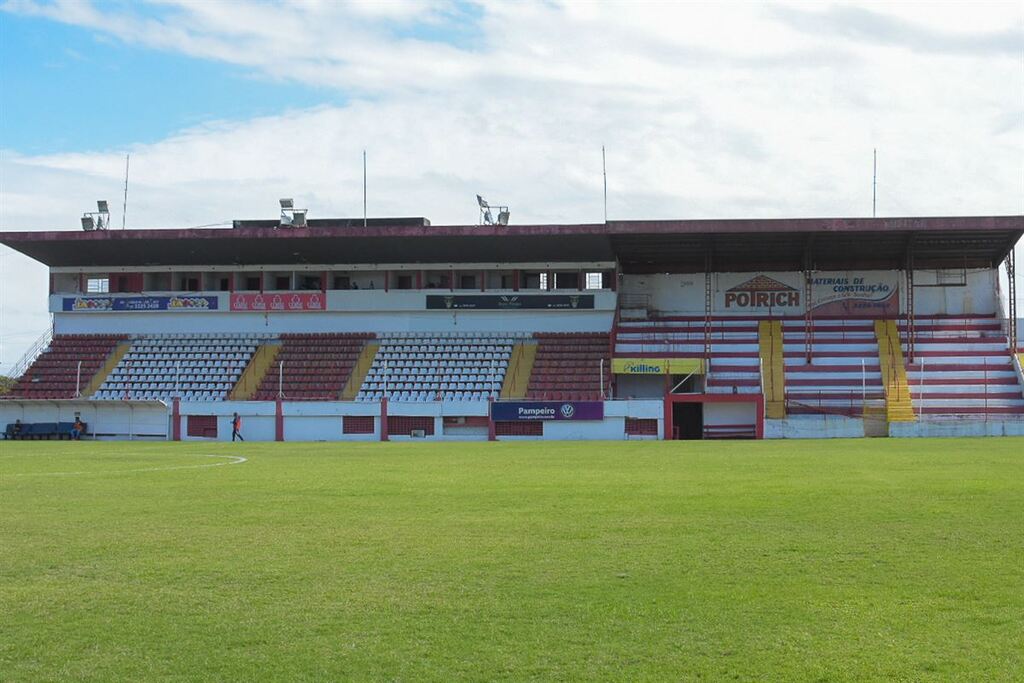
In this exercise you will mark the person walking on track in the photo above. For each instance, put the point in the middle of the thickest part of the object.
(236, 428)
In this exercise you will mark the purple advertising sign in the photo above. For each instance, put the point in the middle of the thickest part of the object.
(547, 410)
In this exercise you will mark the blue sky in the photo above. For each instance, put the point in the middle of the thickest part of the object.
(72, 90)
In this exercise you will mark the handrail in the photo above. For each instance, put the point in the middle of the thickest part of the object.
(34, 351)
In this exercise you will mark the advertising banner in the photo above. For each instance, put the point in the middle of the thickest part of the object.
(657, 366)
(117, 304)
(278, 302)
(873, 293)
(547, 410)
(491, 302)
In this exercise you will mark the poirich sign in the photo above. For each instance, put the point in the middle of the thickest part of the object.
(519, 411)
(278, 302)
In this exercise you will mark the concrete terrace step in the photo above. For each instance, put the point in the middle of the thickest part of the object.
(972, 394)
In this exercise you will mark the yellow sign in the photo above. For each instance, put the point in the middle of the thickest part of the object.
(657, 366)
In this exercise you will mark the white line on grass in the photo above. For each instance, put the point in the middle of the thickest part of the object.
(234, 460)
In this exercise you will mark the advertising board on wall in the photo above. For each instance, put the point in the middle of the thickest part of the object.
(118, 304)
(657, 366)
(832, 293)
(517, 411)
(278, 302)
(493, 302)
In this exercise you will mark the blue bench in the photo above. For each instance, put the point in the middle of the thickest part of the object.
(43, 430)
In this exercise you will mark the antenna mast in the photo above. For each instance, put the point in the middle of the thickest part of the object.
(604, 172)
(364, 188)
(874, 182)
(124, 209)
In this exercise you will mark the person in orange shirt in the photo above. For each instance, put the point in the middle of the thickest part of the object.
(236, 427)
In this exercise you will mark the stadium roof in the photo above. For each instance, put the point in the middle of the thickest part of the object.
(639, 246)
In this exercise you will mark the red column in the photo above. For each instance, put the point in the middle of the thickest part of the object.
(278, 421)
(668, 419)
(419, 279)
(51, 283)
(383, 419)
(263, 281)
(387, 279)
(483, 281)
(580, 284)
(515, 280)
(176, 419)
(491, 436)
(451, 280)
(81, 283)
(759, 427)
(232, 282)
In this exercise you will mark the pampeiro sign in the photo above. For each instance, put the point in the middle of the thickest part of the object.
(503, 411)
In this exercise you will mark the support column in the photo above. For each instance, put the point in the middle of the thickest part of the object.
(708, 299)
(384, 419)
(808, 316)
(515, 280)
(759, 427)
(911, 322)
(451, 280)
(419, 279)
(483, 280)
(491, 435)
(387, 280)
(176, 419)
(1011, 297)
(278, 421)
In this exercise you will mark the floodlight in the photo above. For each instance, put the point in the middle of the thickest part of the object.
(503, 217)
(482, 202)
(299, 218)
(287, 203)
(101, 206)
(88, 223)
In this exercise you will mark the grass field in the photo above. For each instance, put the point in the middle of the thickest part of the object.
(843, 560)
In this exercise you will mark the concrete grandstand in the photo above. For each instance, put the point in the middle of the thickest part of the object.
(398, 329)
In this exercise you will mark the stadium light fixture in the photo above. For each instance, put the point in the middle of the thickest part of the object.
(486, 217)
(88, 224)
(102, 206)
(287, 203)
(299, 218)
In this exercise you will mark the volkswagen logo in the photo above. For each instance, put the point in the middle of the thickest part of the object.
(568, 410)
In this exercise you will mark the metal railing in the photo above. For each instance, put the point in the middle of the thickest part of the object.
(34, 351)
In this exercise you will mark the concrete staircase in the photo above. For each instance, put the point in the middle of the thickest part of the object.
(898, 404)
(773, 369)
(108, 366)
(520, 367)
(254, 372)
(360, 371)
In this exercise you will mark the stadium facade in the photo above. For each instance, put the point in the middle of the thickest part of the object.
(398, 329)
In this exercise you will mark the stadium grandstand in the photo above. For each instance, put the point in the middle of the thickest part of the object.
(336, 329)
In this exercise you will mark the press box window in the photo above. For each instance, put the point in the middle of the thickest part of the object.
(97, 285)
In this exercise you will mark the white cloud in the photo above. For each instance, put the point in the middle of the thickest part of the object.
(707, 111)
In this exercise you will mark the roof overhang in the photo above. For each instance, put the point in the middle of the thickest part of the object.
(639, 246)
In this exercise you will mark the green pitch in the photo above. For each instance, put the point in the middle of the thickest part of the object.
(776, 561)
